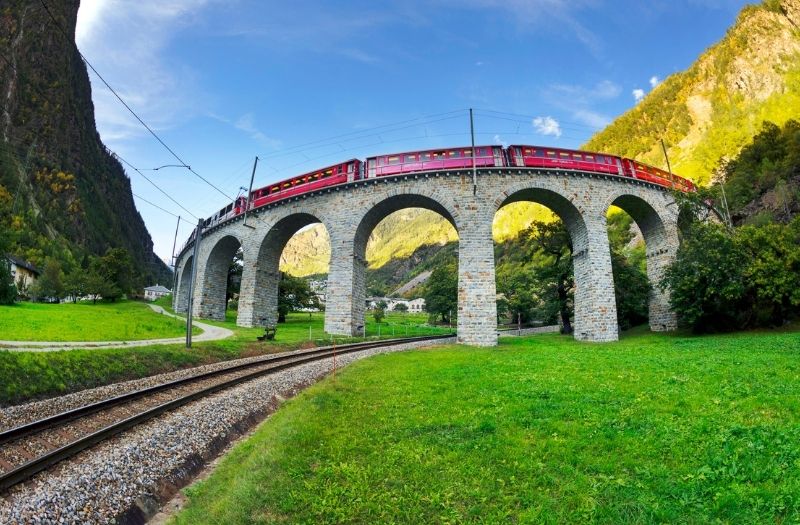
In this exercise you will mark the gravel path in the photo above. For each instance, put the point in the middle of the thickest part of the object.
(127, 477)
(210, 333)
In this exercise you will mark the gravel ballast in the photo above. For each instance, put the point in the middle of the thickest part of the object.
(127, 477)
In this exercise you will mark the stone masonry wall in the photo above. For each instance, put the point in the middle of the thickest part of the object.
(351, 212)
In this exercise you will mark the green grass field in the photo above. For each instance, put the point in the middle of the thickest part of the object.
(120, 321)
(653, 429)
(26, 376)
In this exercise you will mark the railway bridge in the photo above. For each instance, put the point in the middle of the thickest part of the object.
(351, 211)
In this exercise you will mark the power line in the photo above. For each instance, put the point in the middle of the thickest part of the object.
(132, 112)
(155, 185)
(154, 205)
(360, 134)
(530, 117)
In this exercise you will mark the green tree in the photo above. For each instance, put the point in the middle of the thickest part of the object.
(49, 285)
(441, 291)
(8, 291)
(98, 286)
(706, 281)
(632, 289)
(75, 284)
(401, 307)
(554, 277)
(378, 314)
(294, 293)
(116, 268)
(771, 271)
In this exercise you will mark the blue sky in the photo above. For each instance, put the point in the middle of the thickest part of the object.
(223, 81)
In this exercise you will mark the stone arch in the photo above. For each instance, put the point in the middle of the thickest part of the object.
(345, 308)
(659, 226)
(594, 306)
(258, 300)
(181, 298)
(210, 300)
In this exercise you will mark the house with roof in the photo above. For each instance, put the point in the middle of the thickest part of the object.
(151, 293)
(23, 273)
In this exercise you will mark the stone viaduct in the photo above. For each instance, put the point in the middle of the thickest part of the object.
(351, 211)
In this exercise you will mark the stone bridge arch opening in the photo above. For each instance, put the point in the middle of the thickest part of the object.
(593, 308)
(659, 234)
(181, 300)
(258, 304)
(346, 312)
(211, 297)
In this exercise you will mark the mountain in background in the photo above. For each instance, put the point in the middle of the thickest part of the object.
(63, 195)
(713, 109)
(707, 113)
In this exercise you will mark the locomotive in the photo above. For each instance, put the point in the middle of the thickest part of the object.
(446, 159)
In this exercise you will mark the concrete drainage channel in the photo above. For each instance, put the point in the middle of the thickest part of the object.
(127, 477)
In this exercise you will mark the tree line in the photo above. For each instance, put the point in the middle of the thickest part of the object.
(109, 277)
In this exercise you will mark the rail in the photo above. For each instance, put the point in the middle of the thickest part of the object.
(16, 459)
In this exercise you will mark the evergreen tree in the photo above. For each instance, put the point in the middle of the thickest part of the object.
(441, 292)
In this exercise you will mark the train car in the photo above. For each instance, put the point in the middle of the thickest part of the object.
(543, 157)
(654, 175)
(347, 171)
(435, 159)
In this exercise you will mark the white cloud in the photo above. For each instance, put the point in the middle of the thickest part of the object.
(591, 118)
(127, 42)
(500, 142)
(553, 15)
(654, 81)
(547, 126)
(247, 124)
(638, 94)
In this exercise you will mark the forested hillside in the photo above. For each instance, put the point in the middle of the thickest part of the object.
(62, 194)
(716, 107)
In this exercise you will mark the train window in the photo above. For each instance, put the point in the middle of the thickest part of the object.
(286, 184)
(527, 151)
(274, 189)
(577, 156)
(452, 153)
(411, 158)
(426, 156)
(563, 154)
(590, 158)
(438, 154)
(393, 160)
(551, 153)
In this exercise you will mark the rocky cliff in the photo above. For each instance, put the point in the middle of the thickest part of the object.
(62, 194)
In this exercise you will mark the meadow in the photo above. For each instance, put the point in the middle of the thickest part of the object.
(27, 376)
(655, 428)
(120, 321)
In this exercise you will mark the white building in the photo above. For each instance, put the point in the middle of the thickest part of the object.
(151, 293)
(23, 273)
(414, 305)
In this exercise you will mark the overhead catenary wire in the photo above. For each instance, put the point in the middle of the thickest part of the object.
(154, 205)
(156, 186)
(132, 112)
(358, 133)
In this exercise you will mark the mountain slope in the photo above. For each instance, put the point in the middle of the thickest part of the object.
(62, 194)
(718, 105)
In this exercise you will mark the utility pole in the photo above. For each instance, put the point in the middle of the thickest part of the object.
(190, 303)
(474, 165)
(669, 168)
(249, 190)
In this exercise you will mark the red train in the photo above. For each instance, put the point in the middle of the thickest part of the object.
(452, 158)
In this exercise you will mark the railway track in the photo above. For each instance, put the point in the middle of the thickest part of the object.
(31, 448)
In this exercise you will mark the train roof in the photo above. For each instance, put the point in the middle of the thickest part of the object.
(434, 149)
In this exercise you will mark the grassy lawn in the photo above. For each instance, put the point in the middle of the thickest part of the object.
(120, 321)
(653, 429)
(25, 376)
